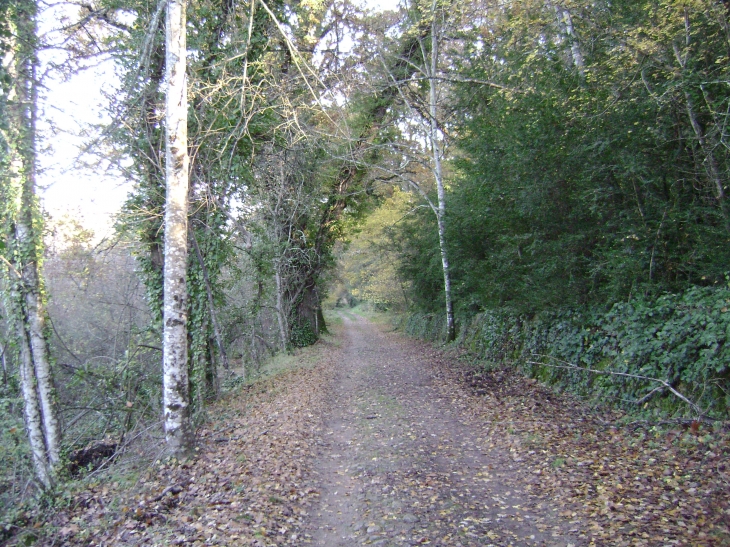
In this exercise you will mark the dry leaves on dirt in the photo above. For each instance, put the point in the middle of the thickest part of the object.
(245, 487)
(647, 486)
(577, 474)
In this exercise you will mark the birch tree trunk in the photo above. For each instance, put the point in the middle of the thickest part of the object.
(32, 411)
(281, 315)
(28, 386)
(704, 138)
(438, 175)
(565, 25)
(176, 397)
(24, 301)
(35, 319)
(4, 360)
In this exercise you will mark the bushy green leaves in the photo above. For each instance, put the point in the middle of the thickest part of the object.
(302, 334)
(16, 467)
(681, 339)
(573, 190)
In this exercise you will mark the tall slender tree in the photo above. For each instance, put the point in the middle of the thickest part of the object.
(24, 300)
(431, 69)
(178, 431)
(424, 107)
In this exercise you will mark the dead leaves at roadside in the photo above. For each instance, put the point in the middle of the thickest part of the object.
(247, 485)
(628, 487)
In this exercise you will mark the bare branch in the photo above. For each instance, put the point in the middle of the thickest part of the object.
(664, 383)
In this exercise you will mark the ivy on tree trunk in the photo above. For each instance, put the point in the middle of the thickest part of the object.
(25, 301)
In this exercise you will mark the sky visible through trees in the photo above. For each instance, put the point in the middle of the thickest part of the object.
(543, 183)
(73, 103)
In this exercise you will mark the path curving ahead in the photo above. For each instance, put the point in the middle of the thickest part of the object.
(401, 460)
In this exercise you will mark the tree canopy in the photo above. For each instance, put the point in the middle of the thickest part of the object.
(548, 175)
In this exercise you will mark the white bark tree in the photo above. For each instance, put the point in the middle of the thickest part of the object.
(24, 299)
(426, 110)
(176, 398)
(435, 142)
(567, 31)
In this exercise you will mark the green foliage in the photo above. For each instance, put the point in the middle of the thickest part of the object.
(678, 338)
(16, 468)
(420, 263)
(587, 218)
(256, 164)
(370, 260)
(428, 326)
(124, 394)
(302, 334)
(575, 190)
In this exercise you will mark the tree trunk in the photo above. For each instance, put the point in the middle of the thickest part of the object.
(35, 315)
(25, 304)
(33, 420)
(438, 175)
(707, 148)
(565, 25)
(31, 403)
(178, 430)
(321, 323)
(309, 309)
(713, 171)
(4, 359)
(281, 315)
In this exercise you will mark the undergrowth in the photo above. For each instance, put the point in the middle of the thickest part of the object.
(680, 339)
(24, 507)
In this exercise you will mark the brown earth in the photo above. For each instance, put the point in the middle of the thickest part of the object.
(404, 460)
(381, 440)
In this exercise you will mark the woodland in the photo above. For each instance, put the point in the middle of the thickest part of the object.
(538, 184)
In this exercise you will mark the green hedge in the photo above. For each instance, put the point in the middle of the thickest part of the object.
(678, 338)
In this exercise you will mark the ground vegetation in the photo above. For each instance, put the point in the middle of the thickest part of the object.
(542, 183)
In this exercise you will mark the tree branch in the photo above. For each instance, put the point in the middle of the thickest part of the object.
(664, 383)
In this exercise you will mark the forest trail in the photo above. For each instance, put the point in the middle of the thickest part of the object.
(402, 460)
(376, 439)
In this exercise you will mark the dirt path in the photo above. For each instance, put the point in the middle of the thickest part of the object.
(371, 438)
(401, 461)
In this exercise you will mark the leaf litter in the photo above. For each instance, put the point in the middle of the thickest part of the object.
(389, 441)
(619, 485)
(247, 484)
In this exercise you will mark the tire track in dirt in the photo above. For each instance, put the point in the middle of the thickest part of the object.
(399, 463)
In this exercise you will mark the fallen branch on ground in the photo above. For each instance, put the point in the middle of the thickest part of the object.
(570, 366)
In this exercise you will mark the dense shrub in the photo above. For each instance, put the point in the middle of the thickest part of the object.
(302, 334)
(16, 468)
(678, 338)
